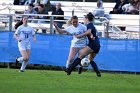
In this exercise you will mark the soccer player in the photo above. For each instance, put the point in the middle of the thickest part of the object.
(22, 34)
(74, 28)
(92, 47)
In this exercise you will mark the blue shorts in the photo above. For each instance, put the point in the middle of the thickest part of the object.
(94, 45)
(94, 48)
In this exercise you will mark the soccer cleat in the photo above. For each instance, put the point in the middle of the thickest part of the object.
(68, 71)
(94, 66)
(80, 70)
(65, 70)
(99, 75)
(17, 61)
(21, 70)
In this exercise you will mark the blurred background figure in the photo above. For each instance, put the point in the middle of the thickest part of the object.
(99, 11)
(42, 10)
(29, 2)
(23, 2)
(16, 2)
(132, 8)
(136, 7)
(127, 8)
(118, 7)
(58, 11)
(30, 10)
(47, 4)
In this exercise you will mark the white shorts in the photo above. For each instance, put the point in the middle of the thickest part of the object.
(24, 45)
(78, 45)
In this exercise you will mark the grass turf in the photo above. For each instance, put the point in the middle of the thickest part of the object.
(46, 81)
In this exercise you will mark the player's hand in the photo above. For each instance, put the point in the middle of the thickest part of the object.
(19, 40)
(78, 36)
(34, 39)
(92, 37)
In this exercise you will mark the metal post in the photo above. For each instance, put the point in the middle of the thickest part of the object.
(73, 12)
(8, 65)
(105, 22)
(103, 33)
(139, 22)
(10, 22)
(51, 25)
(107, 28)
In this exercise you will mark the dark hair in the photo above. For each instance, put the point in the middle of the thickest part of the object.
(74, 17)
(18, 24)
(31, 5)
(41, 5)
(90, 16)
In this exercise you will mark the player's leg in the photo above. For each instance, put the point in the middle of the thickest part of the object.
(80, 69)
(22, 47)
(26, 62)
(19, 59)
(72, 54)
(25, 58)
(85, 51)
(93, 64)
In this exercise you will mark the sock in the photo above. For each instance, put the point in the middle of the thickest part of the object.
(22, 66)
(68, 64)
(25, 65)
(94, 66)
(20, 59)
(74, 64)
(80, 70)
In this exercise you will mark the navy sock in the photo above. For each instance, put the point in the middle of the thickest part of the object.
(95, 67)
(74, 64)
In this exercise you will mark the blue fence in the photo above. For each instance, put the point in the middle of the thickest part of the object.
(115, 55)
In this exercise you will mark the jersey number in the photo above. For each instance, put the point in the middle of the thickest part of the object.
(26, 36)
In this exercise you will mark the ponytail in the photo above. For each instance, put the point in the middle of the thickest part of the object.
(18, 24)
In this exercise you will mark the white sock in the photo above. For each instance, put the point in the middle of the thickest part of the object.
(20, 59)
(23, 66)
(68, 64)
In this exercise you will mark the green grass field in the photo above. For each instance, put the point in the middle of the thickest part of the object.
(46, 81)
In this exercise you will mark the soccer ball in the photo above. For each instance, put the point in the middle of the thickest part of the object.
(85, 62)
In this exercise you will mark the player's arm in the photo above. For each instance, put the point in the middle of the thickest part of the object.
(61, 31)
(88, 32)
(16, 35)
(33, 34)
(34, 38)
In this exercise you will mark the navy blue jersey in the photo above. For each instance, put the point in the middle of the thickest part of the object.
(93, 44)
(93, 30)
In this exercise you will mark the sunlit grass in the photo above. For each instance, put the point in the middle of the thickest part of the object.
(46, 81)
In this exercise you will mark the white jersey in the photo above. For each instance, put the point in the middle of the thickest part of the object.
(24, 32)
(80, 29)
